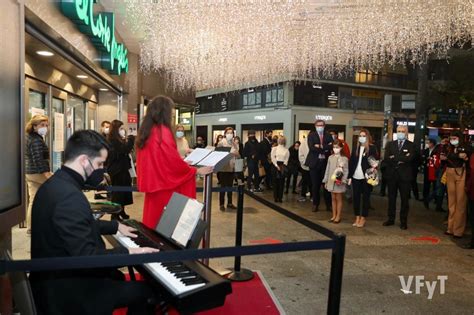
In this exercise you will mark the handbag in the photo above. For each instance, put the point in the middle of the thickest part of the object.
(444, 178)
(261, 170)
(239, 165)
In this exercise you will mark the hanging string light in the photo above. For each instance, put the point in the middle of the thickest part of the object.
(203, 44)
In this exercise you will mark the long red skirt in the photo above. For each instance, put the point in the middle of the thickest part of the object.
(156, 201)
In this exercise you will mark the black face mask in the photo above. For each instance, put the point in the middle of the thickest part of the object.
(94, 178)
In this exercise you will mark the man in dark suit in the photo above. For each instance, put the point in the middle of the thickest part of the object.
(265, 149)
(320, 147)
(63, 225)
(399, 155)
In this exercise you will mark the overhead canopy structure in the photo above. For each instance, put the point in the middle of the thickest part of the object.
(206, 44)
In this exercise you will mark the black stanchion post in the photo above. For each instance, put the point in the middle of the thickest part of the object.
(335, 279)
(239, 274)
(206, 241)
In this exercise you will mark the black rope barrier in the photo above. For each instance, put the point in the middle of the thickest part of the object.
(120, 260)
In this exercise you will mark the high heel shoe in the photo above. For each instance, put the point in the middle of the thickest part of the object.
(337, 222)
(331, 220)
(124, 215)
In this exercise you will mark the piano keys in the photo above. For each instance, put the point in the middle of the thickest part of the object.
(189, 286)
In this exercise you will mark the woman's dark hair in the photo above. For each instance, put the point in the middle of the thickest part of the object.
(158, 112)
(340, 144)
(88, 142)
(114, 134)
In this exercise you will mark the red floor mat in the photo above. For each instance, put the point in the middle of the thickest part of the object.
(248, 297)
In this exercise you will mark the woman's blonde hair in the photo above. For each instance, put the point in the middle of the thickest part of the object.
(35, 121)
(179, 126)
(281, 140)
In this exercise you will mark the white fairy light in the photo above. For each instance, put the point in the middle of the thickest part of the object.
(203, 44)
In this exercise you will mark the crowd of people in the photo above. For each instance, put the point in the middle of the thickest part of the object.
(323, 164)
(61, 223)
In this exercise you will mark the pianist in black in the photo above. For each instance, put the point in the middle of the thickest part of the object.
(63, 225)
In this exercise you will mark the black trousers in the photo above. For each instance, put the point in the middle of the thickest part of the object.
(471, 217)
(429, 187)
(396, 185)
(305, 183)
(268, 172)
(292, 174)
(278, 183)
(252, 177)
(92, 296)
(317, 175)
(360, 190)
(226, 179)
(414, 185)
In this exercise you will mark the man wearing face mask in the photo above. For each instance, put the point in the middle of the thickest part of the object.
(265, 148)
(399, 155)
(63, 225)
(105, 128)
(320, 147)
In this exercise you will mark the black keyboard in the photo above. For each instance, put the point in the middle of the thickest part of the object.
(190, 286)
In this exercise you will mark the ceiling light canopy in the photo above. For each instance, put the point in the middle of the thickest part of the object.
(205, 44)
(44, 53)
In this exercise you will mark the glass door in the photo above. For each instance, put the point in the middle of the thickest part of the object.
(76, 114)
(57, 132)
(92, 116)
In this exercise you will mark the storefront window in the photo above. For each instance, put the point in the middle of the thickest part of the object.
(37, 103)
(252, 100)
(274, 97)
(78, 113)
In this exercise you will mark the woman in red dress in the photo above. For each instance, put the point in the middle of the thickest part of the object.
(160, 169)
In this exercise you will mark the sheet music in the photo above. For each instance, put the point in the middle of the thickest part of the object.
(213, 158)
(197, 155)
(187, 222)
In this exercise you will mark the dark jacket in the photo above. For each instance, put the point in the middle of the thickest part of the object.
(399, 162)
(63, 226)
(293, 161)
(354, 159)
(118, 165)
(252, 150)
(36, 154)
(265, 148)
(313, 160)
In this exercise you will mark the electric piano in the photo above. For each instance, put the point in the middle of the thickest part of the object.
(189, 286)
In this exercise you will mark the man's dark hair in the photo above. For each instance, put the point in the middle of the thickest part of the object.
(333, 131)
(320, 121)
(104, 122)
(431, 140)
(268, 131)
(88, 142)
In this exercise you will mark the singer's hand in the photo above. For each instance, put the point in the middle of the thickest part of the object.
(127, 230)
(205, 170)
(143, 250)
(349, 181)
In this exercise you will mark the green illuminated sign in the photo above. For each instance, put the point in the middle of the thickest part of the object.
(101, 30)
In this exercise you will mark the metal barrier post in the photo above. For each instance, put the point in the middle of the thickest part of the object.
(335, 278)
(237, 273)
(207, 193)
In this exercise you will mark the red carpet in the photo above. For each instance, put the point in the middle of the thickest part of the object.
(248, 297)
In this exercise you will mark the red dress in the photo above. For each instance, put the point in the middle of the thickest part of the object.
(160, 172)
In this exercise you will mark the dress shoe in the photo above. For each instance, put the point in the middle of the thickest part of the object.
(315, 209)
(469, 246)
(231, 206)
(403, 226)
(222, 208)
(447, 233)
(426, 203)
(388, 223)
